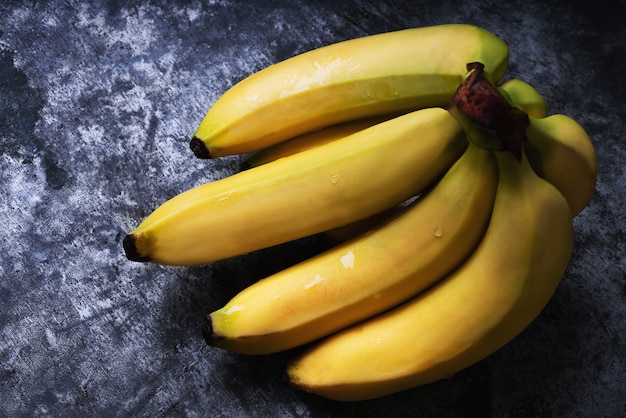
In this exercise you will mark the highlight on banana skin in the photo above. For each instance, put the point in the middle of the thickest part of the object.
(436, 261)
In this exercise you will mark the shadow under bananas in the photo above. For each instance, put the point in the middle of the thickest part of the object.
(190, 293)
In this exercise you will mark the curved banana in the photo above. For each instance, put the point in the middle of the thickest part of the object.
(561, 151)
(301, 195)
(467, 316)
(367, 275)
(524, 96)
(384, 73)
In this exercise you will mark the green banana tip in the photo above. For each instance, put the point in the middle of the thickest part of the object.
(199, 148)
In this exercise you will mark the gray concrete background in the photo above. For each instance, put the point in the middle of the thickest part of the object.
(97, 102)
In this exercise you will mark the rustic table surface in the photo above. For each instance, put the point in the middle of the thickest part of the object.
(97, 102)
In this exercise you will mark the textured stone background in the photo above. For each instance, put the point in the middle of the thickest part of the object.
(97, 102)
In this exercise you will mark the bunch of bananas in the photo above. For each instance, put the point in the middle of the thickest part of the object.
(449, 193)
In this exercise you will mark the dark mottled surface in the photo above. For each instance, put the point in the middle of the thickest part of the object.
(97, 101)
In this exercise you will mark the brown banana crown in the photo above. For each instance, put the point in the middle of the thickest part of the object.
(489, 120)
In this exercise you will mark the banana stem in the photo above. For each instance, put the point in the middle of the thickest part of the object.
(489, 120)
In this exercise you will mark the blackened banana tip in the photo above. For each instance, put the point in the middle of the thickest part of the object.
(130, 249)
(198, 148)
(207, 329)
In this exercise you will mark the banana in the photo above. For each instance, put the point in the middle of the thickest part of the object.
(301, 195)
(562, 152)
(367, 275)
(465, 317)
(378, 74)
(524, 96)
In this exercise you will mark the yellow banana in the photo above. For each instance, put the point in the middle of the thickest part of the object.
(561, 151)
(378, 74)
(301, 195)
(524, 96)
(467, 316)
(368, 274)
